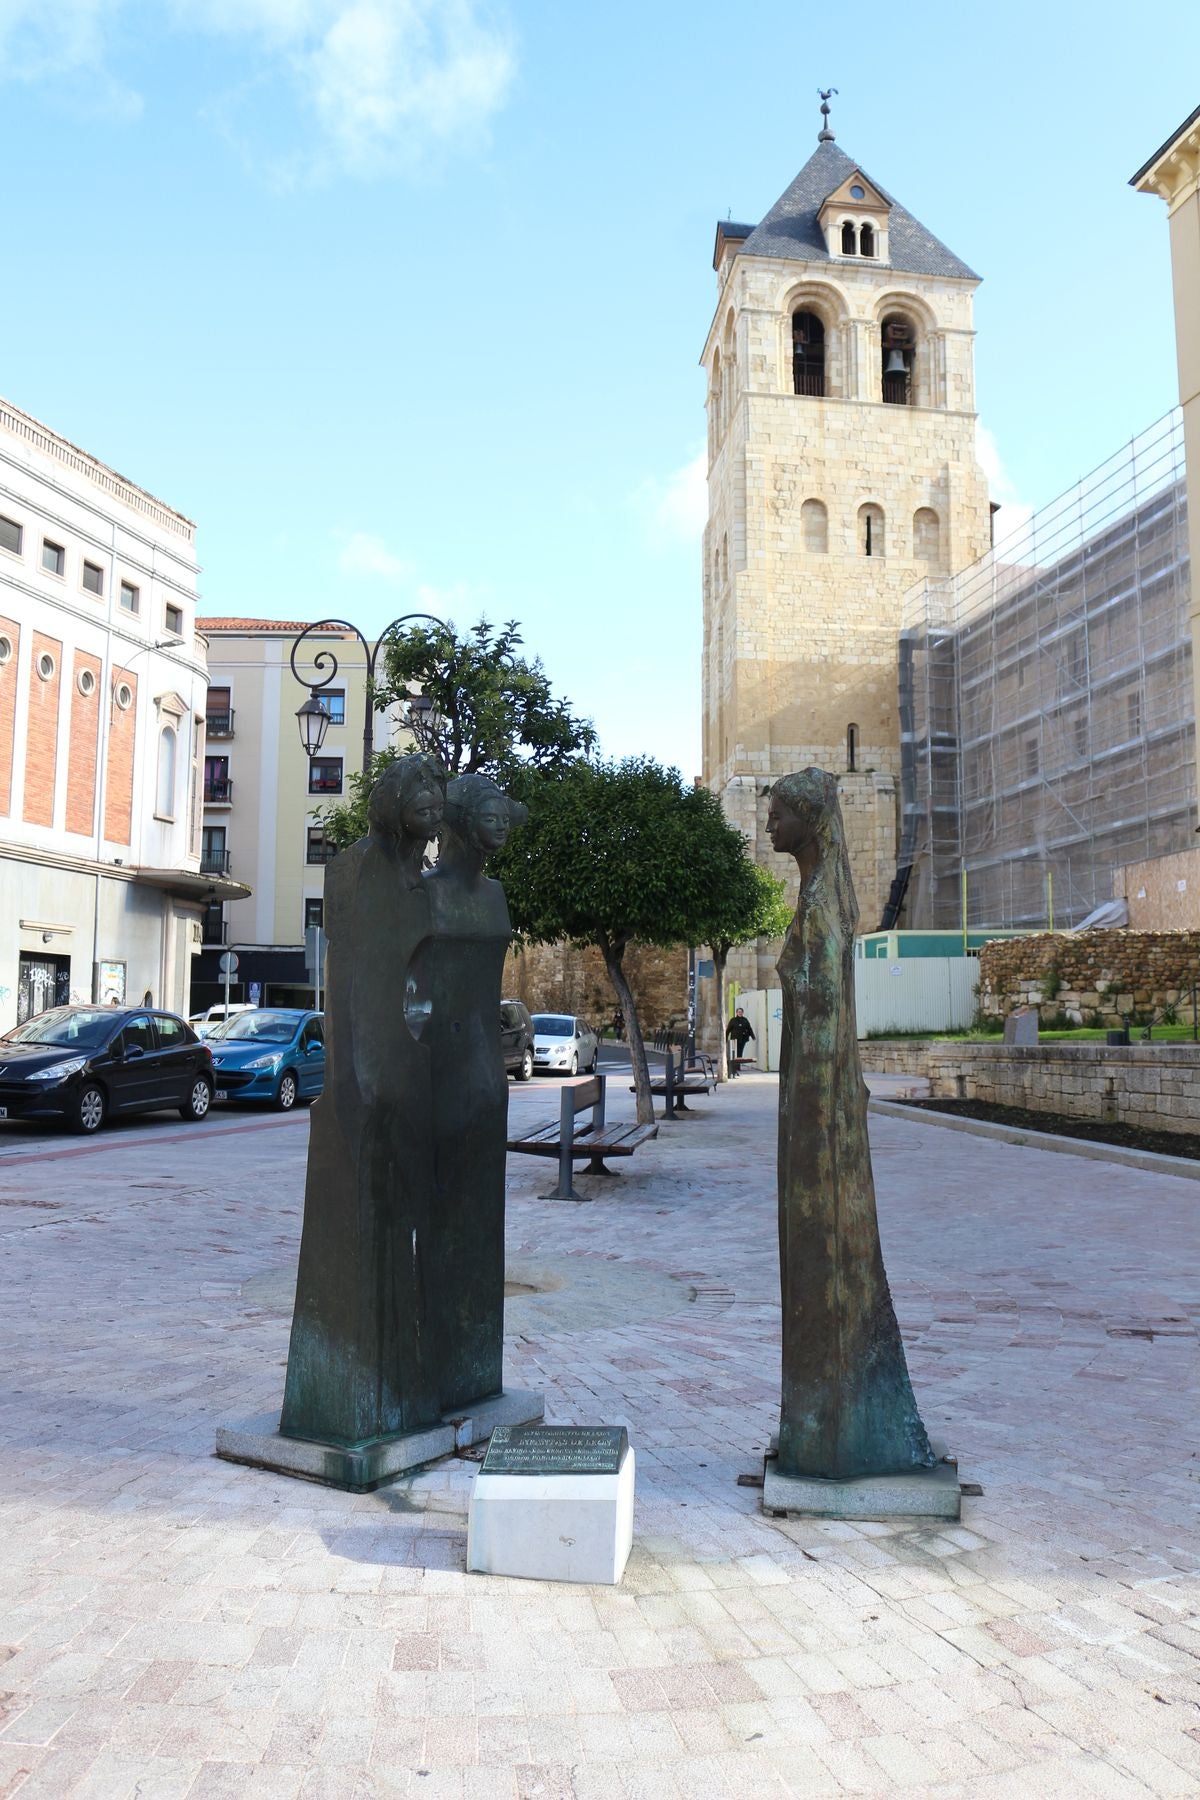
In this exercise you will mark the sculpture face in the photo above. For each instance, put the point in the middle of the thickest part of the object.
(789, 828)
(490, 823)
(422, 813)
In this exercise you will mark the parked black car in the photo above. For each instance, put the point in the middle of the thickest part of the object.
(516, 1034)
(80, 1063)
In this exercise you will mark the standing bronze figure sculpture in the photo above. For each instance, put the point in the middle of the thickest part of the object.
(397, 1334)
(851, 1441)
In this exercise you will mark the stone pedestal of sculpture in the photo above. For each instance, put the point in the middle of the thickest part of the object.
(851, 1441)
(397, 1335)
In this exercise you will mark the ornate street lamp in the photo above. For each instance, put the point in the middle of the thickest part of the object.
(325, 661)
(313, 720)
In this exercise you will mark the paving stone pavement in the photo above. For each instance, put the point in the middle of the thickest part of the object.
(171, 1625)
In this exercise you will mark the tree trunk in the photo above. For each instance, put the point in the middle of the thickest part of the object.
(613, 961)
(720, 957)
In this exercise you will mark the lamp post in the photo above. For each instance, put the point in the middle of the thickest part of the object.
(312, 726)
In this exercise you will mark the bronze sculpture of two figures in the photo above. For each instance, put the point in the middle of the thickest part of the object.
(397, 1333)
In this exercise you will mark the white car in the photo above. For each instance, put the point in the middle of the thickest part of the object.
(203, 1022)
(563, 1044)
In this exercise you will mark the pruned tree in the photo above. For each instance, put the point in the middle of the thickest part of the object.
(613, 854)
(748, 904)
(472, 702)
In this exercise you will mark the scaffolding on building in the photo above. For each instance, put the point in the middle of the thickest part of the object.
(1046, 704)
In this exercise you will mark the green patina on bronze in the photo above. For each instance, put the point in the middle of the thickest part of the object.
(848, 1407)
(400, 1293)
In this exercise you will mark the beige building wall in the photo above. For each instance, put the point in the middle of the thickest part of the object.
(1173, 173)
(270, 806)
(801, 618)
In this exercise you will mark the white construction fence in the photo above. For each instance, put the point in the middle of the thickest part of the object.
(919, 993)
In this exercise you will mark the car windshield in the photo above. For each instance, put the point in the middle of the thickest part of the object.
(66, 1025)
(255, 1028)
(552, 1025)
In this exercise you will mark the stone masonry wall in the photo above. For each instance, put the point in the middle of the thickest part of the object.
(1103, 978)
(560, 978)
(1155, 1086)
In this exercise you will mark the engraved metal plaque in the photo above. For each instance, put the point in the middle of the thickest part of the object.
(556, 1450)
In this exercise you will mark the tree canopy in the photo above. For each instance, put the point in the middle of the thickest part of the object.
(481, 709)
(621, 852)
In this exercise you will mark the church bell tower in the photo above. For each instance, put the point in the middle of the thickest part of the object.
(841, 470)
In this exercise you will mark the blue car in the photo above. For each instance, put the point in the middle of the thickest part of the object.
(270, 1053)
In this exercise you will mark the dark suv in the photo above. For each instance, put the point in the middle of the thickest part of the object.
(516, 1035)
(80, 1063)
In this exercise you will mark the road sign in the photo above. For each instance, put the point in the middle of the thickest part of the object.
(228, 964)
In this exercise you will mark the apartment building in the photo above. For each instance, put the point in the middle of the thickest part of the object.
(263, 797)
(102, 705)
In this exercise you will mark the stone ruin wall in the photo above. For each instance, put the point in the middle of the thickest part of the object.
(560, 978)
(1100, 978)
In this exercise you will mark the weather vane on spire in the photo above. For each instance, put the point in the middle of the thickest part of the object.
(825, 136)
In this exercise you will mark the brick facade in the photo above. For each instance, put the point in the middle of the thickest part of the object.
(8, 712)
(41, 738)
(118, 779)
(84, 747)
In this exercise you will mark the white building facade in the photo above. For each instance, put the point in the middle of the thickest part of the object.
(102, 704)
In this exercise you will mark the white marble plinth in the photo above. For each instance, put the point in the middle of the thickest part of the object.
(553, 1527)
(361, 1467)
(917, 1494)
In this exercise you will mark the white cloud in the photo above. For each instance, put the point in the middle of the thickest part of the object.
(64, 40)
(362, 553)
(1015, 513)
(674, 510)
(367, 86)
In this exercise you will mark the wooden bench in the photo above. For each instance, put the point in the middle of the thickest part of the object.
(682, 1075)
(595, 1140)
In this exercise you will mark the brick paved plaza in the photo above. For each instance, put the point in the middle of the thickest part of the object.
(171, 1625)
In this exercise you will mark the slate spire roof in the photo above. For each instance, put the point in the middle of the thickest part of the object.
(790, 230)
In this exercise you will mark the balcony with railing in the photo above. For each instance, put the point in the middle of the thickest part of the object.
(214, 862)
(218, 791)
(219, 724)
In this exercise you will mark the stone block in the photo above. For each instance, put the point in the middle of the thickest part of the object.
(553, 1527)
(918, 1494)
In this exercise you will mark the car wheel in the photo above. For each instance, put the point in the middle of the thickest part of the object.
(594, 1061)
(286, 1092)
(90, 1108)
(575, 1063)
(526, 1068)
(199, 1100)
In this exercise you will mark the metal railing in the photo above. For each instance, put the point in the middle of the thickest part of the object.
(219, 724)
(214, 862)
(218, 793)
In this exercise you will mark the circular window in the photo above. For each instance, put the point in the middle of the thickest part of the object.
(85, 681)
(5, 649)
(46, 666)
(124, 696)
(857, 192)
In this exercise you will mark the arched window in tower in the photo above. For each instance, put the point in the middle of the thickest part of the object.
(851, 749)
(870, 530)
(849, 238)
(808, 354)
(717, 399)
(899, 344)
(866, 241)
(814, 527)
(927, 536)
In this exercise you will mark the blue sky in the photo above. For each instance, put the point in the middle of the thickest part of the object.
(402, 300)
